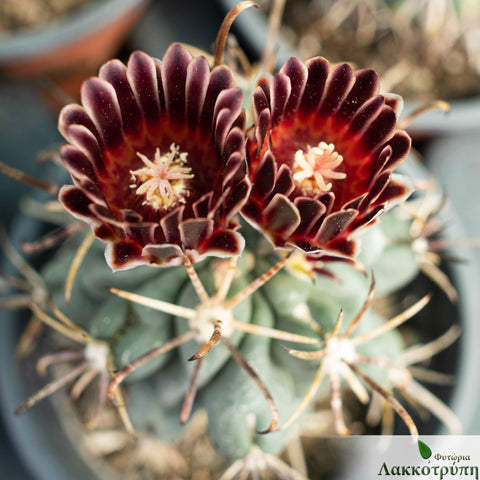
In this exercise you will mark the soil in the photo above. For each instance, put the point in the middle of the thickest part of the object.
(18, 14)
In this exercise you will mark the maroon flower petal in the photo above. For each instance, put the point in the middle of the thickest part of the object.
(115, 73)
(142, 75)
(264, 177)
(321, 156)
(77, 163)
(282, 216)
(281, 90)
(193, 232)
(339, 83)
(365, 87)
(365, 115)
(123, 255)
(379, 131)
(161, 255)
(235, 200)
(284, 184)
(157, 154)
(395, 102)
(220, 79)
(196, 85)
(100, 101)
(396, 191)
(317, 77)
(170, 226)
(335, 224)
(224, 243)
(85, 139)
(76, 201)
(75, 115)
(310, 211)
(203, 205)
(400, 144)
(297, 72)
(174, 78)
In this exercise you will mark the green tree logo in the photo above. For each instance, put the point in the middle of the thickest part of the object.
(425, 450)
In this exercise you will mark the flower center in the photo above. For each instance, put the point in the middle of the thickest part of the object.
(162, 180)
(313, 168)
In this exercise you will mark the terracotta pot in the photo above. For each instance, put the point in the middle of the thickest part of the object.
(68, 51)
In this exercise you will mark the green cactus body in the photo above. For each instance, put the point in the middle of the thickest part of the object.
(236, 408)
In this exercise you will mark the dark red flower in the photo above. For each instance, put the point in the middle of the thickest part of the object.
(321, 156)
(157, 156)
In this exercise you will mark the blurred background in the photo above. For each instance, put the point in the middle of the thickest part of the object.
(424, 49)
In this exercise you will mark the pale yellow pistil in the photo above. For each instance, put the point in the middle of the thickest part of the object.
(313, 168)
(162, 180)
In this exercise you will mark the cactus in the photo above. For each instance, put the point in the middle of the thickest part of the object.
(233, 271)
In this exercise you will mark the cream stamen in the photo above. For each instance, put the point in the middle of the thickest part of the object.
(162, 180)
(313, 168)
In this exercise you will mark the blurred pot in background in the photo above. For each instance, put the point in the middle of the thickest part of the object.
(69, 48)
(423, 51)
